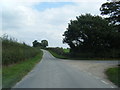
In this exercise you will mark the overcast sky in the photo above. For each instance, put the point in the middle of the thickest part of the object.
(43, 19)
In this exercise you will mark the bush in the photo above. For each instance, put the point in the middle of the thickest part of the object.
(14, 52)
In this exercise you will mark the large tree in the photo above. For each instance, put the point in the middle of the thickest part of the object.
(36, 43)
(112, 11)
(89, 34)
(44, 43)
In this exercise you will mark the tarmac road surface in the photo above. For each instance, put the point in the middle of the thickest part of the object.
(54, 73)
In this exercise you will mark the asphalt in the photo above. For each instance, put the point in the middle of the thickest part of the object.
(54, 73)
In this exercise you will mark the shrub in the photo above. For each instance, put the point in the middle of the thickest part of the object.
(14, 52)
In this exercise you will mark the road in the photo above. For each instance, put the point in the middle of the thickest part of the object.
(54, 73)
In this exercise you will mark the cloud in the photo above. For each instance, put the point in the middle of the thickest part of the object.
(22, 21)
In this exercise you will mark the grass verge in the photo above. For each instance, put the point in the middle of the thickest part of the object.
(14, 73)
(77, 58)
(114, 75)
(57, 56)
(64, 53)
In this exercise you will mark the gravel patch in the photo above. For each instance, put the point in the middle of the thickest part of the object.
(94, 68)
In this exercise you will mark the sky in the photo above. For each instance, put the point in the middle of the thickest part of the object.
(29, 20)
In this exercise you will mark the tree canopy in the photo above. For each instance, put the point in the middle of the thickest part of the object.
(90, 34)
(112, 10)
(43, 44)
(36, 44)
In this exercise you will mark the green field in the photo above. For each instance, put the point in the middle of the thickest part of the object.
(114, 75)
(14, 73)
(57, 55)
(66, 50)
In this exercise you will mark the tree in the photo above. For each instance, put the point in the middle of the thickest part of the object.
(112, 10)
(44, 43)
(36, 44)
(88, 34)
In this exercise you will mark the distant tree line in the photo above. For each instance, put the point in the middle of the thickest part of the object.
(43, 44)
(94, 36)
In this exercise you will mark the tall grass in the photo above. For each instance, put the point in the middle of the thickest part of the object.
(15, 52)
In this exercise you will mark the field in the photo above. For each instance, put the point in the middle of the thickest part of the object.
(66, 50)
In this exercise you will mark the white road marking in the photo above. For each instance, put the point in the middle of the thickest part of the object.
(104, 82)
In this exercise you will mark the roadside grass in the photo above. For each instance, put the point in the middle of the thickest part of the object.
(114, 75)
(57, 55)
(64, 53)
(76, 58)
(66, 50)
(17, 60)
(14, 73)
